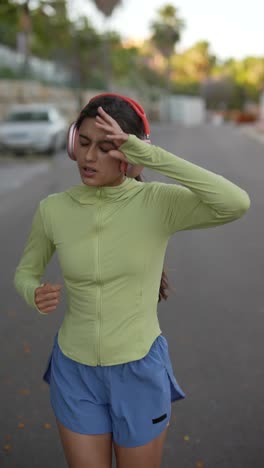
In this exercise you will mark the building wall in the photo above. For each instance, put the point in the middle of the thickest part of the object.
(187, 110)
(67, 100)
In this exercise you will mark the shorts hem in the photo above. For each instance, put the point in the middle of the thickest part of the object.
(145, 440)
(72, 428)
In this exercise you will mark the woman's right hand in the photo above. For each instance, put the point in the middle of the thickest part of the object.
(47, 297)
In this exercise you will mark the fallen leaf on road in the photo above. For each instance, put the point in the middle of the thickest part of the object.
(186, 438)
(44, 387)
(21, 425)
(7, 448)
(7, 380)
(24, 391)
(47, 426)
(11, 313)
(199, 464)
(26, 347)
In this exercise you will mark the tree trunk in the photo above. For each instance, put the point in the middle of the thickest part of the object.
(24, 38)
(107, 68)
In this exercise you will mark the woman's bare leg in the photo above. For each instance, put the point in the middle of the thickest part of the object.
(86, 451)
(145, 456)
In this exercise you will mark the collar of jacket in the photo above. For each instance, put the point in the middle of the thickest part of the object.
(86, 195)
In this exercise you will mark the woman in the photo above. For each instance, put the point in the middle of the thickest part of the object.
(110, 374)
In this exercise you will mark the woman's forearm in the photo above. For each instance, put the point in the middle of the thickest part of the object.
(37, 253)
(218, 193)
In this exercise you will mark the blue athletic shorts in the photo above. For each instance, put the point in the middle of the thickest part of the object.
(131, 400)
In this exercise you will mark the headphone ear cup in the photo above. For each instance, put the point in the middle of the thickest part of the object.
(71, 140)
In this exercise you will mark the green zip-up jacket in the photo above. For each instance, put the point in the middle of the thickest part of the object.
(111, 243)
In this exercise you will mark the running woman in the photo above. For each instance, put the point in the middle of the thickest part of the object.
(110, 374)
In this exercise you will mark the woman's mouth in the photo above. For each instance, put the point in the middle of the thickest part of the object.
(89, 171)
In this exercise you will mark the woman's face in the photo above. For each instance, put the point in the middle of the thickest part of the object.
(96, 167)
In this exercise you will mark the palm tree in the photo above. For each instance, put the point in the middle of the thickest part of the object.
(166, 33)
(106, 7)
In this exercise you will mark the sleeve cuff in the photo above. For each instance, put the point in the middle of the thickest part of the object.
(31, 298)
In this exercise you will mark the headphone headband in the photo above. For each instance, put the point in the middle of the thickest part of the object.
(73, 131)
(135, 105)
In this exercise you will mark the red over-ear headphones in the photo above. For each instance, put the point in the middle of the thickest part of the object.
(73, 131)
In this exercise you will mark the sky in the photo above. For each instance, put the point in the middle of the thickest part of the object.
(234, 28)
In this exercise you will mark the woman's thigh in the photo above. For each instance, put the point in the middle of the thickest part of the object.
(144, 456)
(86, 451)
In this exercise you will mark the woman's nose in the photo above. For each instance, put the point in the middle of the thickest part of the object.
(91, 154)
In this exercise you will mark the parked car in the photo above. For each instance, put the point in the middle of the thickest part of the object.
(35, 127)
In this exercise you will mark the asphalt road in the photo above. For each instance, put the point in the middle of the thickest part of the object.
(213, 319)
(14, 173)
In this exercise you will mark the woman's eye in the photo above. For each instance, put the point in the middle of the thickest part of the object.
(104, 150)
(83, 142)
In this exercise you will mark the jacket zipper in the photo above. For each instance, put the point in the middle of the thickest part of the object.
(98, 279)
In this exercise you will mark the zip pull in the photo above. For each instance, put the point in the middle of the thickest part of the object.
(99, 192)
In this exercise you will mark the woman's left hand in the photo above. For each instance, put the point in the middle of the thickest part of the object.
(115, 134)
(112, 129)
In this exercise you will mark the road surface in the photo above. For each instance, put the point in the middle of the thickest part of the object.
(213, 320)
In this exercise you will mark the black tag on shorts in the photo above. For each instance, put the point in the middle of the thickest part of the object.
(161, 418)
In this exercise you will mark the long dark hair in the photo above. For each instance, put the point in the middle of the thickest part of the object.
(130, 122)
